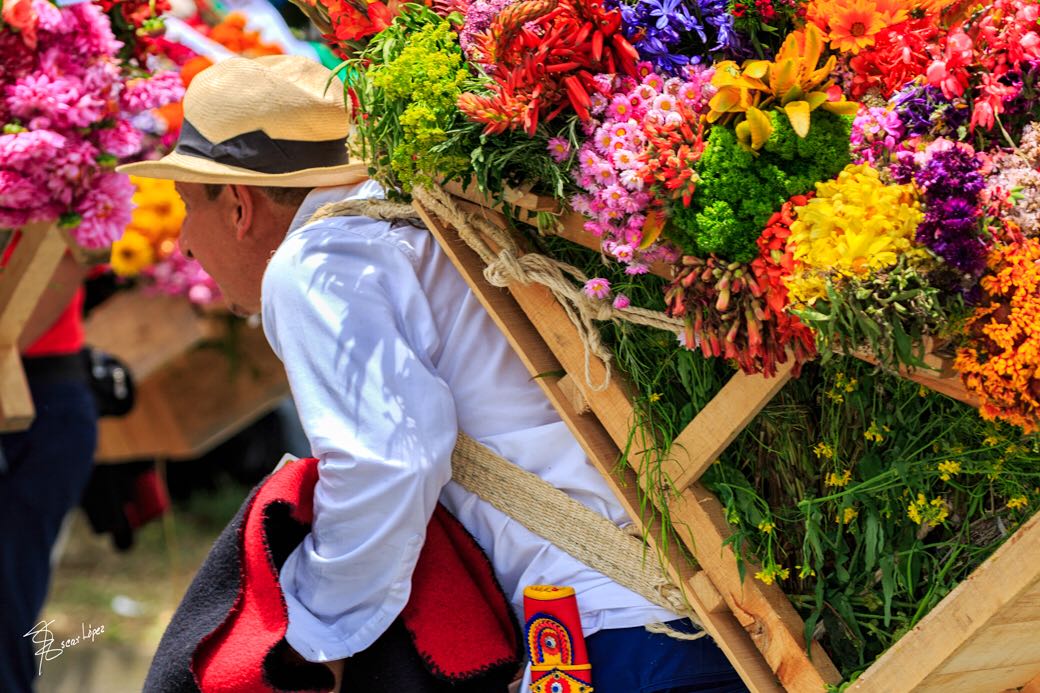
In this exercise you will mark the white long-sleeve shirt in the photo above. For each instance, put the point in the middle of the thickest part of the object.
(389, 355)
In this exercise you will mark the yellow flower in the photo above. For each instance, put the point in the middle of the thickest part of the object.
(932, 512)
(991, 441)
(835, 396)
(875, 432)
(766, 526)
(922, 391)
(839, 480)
(949, 468)
(131, 254)
(655, 397)
(847, 516)
(856, 225)
(1018, 502)
(823, 451)
(805, 571)
(770, 573)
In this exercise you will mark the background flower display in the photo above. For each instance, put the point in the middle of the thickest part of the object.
(794, 181)
(67, 103)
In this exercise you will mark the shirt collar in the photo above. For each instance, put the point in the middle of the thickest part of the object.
(319, 197)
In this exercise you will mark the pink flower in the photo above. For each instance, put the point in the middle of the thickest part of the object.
(105, 210)
(559, 149)
(623, 252)
(121, 140)
(17, 191)
(593, 227)
(625, 159)
(614, 196)
(604, 174)
(598, 288)
(604, 140)
(20, 16)
(636, 268)
(631, 179)
(620, 108)
(621, 302)
(144, 94)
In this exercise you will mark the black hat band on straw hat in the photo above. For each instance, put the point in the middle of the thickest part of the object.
(259, 152)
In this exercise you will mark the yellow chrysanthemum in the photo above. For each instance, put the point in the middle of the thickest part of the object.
(131, 254)
(855, 225)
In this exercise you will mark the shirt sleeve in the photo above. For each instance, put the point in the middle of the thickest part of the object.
(346, 314)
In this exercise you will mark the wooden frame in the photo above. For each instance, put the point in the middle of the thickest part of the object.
(754, 623)
(191, 396)
(22, 282)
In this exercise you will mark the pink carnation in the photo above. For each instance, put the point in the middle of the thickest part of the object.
(104, 210)
(144, 94)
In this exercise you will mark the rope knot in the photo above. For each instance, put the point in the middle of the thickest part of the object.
(504, 269)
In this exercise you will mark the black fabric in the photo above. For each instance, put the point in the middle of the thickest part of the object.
(110, 380)
(54, 369)
(257, 151)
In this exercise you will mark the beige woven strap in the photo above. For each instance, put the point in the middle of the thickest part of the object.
(370, 207)
(507, 265)
(556, 517)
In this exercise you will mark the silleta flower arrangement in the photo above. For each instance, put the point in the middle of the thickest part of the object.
(792, 182)
(67, 102)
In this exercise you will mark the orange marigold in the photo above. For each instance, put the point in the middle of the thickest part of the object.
(1001, 362)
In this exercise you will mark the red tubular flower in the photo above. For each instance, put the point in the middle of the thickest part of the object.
(544, 54)
(739, 311)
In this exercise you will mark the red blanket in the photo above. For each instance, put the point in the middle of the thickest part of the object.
(457, 633)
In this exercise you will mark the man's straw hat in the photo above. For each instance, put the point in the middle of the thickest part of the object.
(269, 121)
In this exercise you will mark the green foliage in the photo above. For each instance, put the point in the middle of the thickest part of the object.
(739, 190)
(819, 487)
(888, 313)
(407, 83)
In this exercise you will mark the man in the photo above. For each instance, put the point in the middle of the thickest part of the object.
(389, 357)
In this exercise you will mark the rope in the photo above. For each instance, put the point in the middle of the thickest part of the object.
(509, 265)
(374, 208)
(572, 527)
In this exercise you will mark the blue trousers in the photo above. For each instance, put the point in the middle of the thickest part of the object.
(43, 472)
(633, 660)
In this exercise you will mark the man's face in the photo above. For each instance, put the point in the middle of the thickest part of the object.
(210, 234)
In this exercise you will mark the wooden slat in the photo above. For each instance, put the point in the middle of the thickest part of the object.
(982, 637)
(148, 332)
(23, 280)
(716, 425)
(197, 401)
(763, 610)
(602, 450)
(16, 405)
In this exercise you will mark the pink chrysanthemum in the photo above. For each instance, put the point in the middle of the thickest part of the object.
(598, 288)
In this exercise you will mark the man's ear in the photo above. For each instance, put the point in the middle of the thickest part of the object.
(243, 209)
